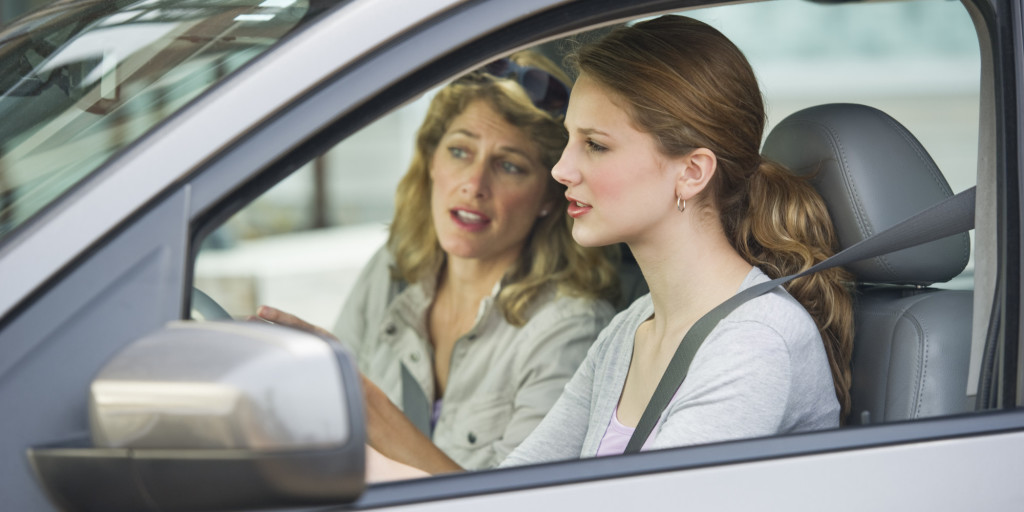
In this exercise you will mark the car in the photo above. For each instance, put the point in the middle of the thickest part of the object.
(141, 137)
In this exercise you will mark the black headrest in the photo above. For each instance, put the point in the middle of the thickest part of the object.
(872, 174)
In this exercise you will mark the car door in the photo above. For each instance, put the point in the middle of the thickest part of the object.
(108, 261)
(965, 452)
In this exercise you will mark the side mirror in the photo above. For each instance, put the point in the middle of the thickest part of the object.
(212, 415)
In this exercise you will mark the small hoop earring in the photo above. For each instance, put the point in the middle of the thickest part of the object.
(680, 204)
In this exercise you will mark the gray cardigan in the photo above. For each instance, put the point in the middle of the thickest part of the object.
(761, 371)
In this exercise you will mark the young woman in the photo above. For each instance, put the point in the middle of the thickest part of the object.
(665, 122)
(481, 306)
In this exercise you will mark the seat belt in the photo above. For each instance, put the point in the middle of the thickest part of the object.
(414, 402)
(415, 405)
(949, 217)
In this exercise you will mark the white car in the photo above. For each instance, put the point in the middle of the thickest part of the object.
(135, 129)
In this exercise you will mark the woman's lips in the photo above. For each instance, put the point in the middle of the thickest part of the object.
(578, 208)
(468, 219)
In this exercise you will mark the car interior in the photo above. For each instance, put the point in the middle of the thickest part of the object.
(913, 309)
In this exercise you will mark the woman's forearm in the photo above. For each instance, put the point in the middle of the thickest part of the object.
(394, 436)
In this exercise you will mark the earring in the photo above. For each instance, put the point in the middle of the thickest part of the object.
(680, 204)
(543, 213)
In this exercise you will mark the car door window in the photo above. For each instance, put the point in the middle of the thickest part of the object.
(300, 245)
(917, 61)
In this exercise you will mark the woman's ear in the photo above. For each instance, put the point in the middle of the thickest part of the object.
(545, 209)
(695, 171)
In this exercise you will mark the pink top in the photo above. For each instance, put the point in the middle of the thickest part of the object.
(616, 437)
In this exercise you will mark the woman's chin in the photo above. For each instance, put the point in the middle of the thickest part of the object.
(588, 238)
(479, 252)
(463, 252)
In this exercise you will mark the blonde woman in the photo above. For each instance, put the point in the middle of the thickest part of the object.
(480, 307)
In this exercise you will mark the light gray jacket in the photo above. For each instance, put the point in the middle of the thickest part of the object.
(502, 379)
(762, 371)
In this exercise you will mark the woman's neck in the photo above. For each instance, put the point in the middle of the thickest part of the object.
(689, 272)
(470, 279)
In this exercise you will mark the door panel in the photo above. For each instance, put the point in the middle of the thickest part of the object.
(51, 351)
(978, 473)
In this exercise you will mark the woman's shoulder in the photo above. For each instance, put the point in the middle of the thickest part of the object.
(553, 307)
(567, 324)
(376, 275)
(381, 261)
(594, 320)
(774, 312)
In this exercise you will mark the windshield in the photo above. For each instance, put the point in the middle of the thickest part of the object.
(81, 80)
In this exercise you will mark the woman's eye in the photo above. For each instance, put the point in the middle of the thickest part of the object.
(511, 168)
(595, 147)
(457, 152)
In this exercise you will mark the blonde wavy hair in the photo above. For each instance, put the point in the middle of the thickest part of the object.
(550, 255)
(687, 85)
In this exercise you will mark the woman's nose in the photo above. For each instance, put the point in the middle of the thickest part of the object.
(564, 170)
(476, 182)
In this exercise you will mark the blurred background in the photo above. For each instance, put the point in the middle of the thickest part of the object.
(300, 245)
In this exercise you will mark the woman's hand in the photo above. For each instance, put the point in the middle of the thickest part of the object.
(379, 468)
(276, 316)
(399, 442)
(390, 431)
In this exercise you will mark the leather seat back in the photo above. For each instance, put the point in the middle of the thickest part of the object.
(912, 342)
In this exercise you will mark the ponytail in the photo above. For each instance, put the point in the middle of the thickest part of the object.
(786, 229)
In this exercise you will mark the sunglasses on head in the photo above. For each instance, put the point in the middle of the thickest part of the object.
(545, 91)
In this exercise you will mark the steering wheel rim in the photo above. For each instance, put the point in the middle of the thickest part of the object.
(205, 308)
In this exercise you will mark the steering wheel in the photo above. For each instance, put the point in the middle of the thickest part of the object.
(205, 308)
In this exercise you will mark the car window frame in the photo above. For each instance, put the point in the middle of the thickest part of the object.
(263, 160)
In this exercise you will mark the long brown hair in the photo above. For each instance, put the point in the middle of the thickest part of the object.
(687, 85)
(550, 255)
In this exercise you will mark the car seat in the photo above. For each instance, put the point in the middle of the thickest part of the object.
(912, 342)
